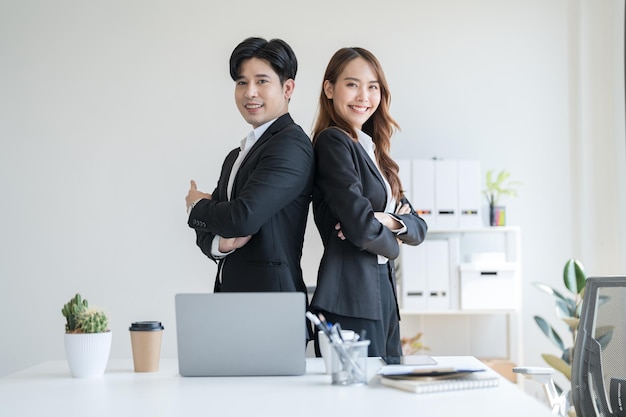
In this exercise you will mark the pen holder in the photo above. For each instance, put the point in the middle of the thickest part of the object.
(349, 363)
(326, 348)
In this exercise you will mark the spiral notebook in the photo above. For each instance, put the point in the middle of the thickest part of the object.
(432, 384)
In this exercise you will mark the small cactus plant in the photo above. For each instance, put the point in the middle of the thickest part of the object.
(92, 321)
(82, 319)
(71, 310)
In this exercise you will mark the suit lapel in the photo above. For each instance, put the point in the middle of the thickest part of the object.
(278, 125)
(372, 167)
(228, 169)
(275, 127)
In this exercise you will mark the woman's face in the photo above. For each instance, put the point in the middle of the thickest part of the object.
(259, 94)
(356, 93)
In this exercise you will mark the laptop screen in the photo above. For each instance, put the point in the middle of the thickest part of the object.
(241, 334)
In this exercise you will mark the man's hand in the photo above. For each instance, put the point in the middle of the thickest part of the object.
(194, 195)
(230, 244)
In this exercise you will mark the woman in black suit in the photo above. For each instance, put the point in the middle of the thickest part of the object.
(358, 204)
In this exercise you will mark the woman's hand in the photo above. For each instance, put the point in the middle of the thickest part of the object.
(386, 219)
(403, 208)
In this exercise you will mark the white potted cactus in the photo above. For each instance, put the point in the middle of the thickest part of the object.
(87, 338)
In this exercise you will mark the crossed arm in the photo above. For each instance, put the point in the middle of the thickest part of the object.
(225, 244)
(387, 220)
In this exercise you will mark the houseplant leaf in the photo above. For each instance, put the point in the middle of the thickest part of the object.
(568, 355)
(572, 323)
(566, 308)
(549, 332)
(574, 276)
(549, 290)
(558, 364)
(564, 304)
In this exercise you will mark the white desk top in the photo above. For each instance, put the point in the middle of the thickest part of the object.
(49, 390)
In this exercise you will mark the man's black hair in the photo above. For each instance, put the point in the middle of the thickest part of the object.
(276, 52)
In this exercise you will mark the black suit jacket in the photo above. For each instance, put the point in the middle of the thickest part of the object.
(270, 200)
(348, 190)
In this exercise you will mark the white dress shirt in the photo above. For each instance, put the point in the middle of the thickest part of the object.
(246, 144)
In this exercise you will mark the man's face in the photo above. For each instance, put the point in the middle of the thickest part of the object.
(259, 95)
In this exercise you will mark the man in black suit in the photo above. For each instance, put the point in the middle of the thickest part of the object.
(253, 223)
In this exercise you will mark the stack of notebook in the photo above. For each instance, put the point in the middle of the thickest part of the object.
(436, 378)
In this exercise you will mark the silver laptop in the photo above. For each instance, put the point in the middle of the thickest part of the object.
(241, 334)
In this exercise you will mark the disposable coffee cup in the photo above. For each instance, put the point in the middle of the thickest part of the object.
(145, 338)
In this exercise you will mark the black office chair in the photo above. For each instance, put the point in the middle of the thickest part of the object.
(599, 365)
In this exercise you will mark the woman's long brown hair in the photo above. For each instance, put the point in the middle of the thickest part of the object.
(380, 126)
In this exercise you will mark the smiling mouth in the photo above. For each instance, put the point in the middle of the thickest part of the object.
(360, 109)
(253, 106)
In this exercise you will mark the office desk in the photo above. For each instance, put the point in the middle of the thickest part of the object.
(49, 390)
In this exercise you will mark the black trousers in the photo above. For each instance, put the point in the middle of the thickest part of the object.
(384, 334)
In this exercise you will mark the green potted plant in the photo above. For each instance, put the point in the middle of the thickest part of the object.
(87, 338)
(497, 186)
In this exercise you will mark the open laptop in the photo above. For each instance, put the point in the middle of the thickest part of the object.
(241, 334)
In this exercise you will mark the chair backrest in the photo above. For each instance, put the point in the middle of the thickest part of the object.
(599, 364)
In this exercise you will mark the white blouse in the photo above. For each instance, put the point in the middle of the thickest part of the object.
(368, 145)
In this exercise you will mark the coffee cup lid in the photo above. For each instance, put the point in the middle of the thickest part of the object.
(146, 326)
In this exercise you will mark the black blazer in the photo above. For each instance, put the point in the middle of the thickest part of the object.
(270, 200)
(348, 190)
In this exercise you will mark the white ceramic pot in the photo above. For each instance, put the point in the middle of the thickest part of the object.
(87, 353)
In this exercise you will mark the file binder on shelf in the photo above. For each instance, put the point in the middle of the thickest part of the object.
(469, 194)
(426, 276)
(437, 275)
(423, 189)
(446, 194)
(413, 261)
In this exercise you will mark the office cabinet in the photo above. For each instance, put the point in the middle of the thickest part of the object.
(480, 316)
(445, 193)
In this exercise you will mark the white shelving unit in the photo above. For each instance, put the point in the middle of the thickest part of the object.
(484, 333)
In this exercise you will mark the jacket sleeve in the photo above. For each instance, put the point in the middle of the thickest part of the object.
(338, 179)
(204, 239)
(415, 225)
(281, 174)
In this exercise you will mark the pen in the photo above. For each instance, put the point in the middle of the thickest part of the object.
(324, 322)
(318, 323)
(337, 329)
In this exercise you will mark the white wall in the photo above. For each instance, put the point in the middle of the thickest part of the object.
(108, 109)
